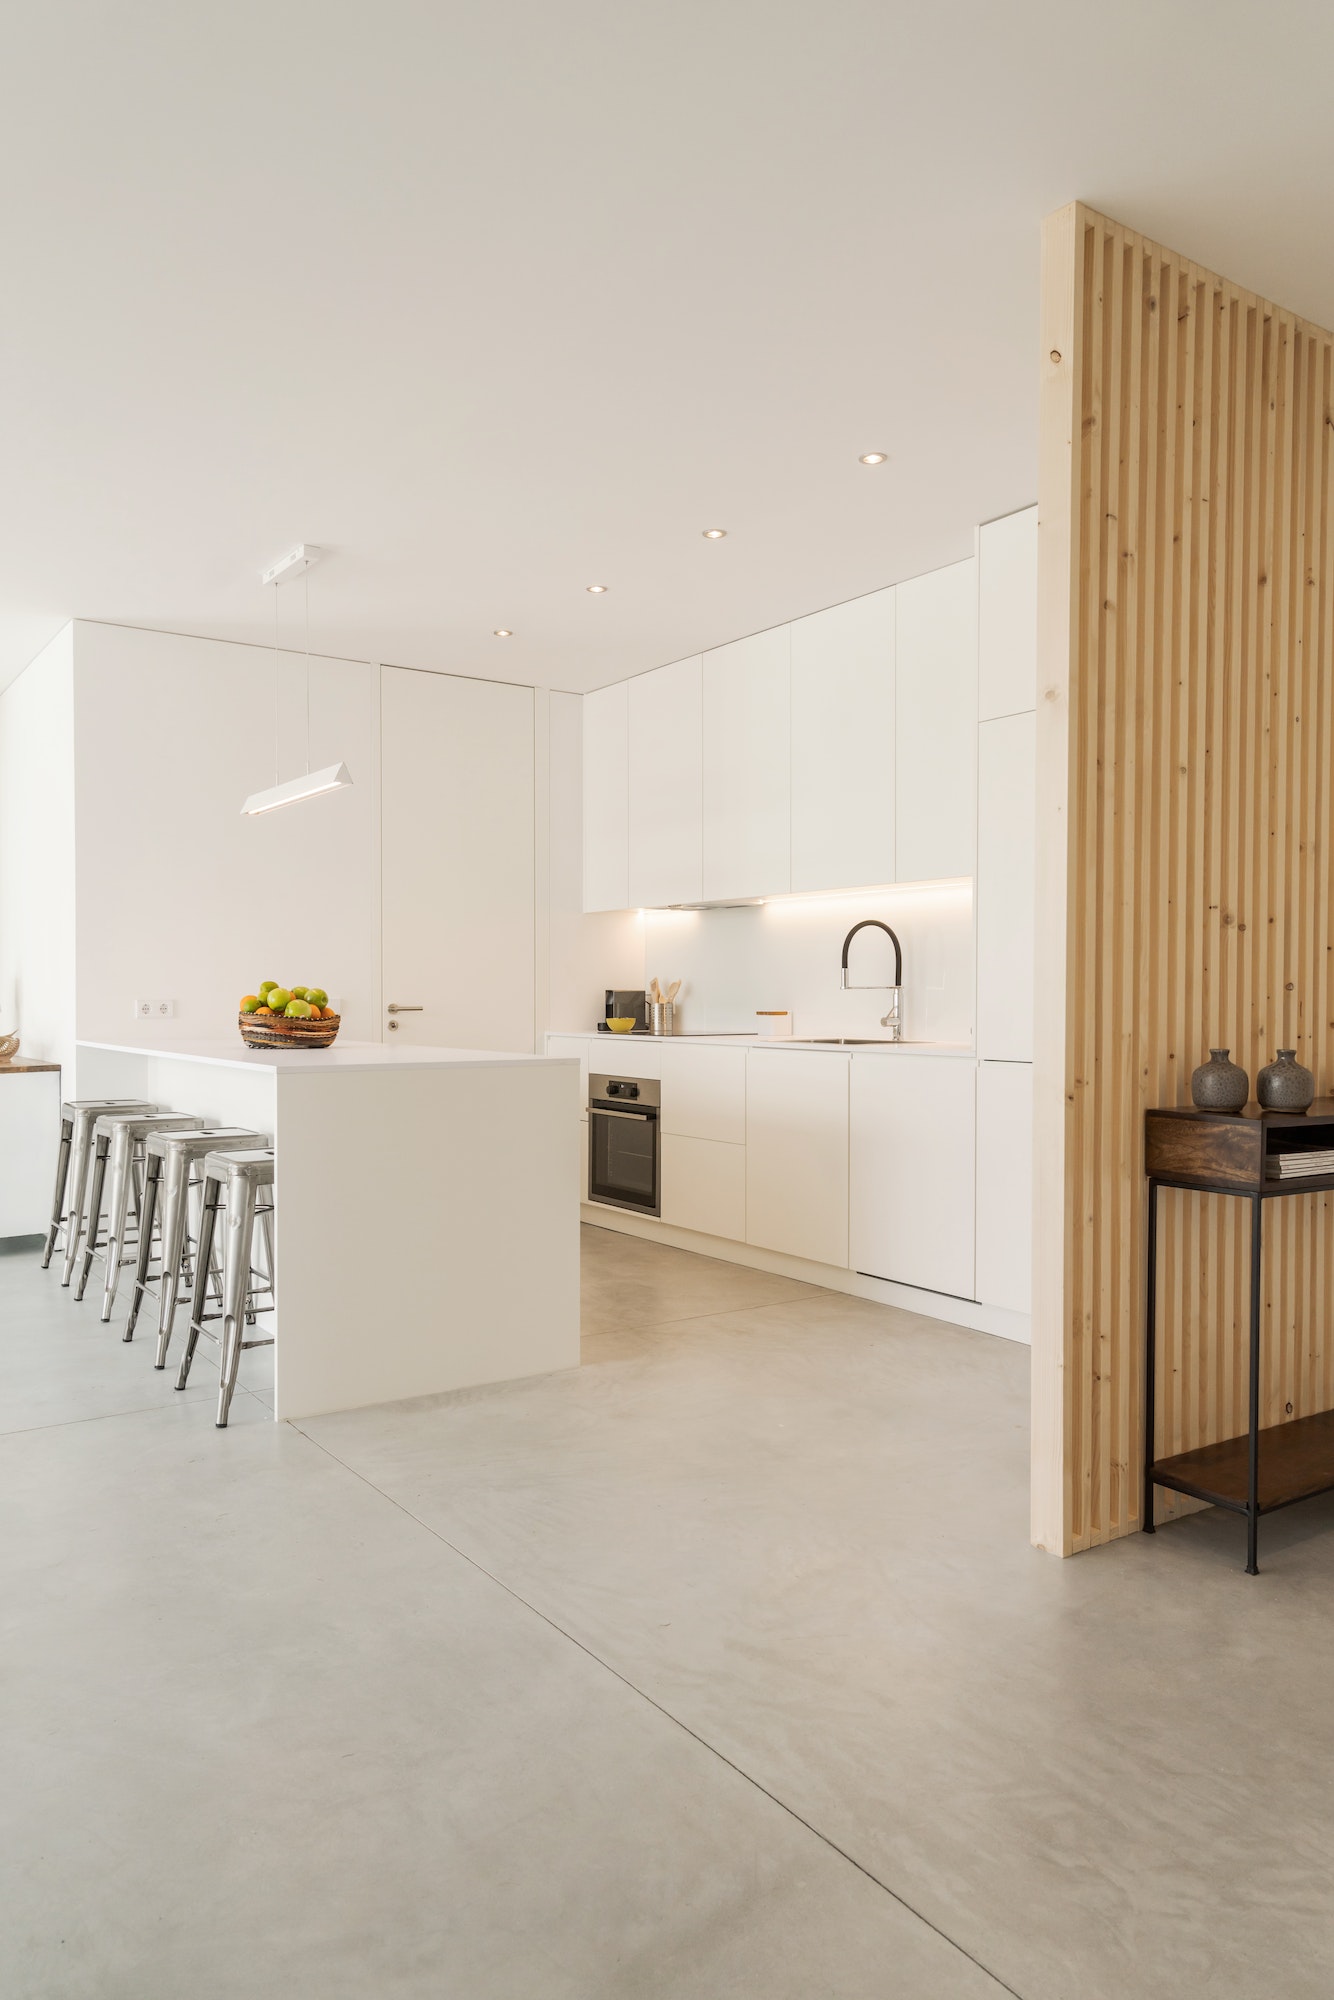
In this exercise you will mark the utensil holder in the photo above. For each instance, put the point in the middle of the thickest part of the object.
(661, 1015)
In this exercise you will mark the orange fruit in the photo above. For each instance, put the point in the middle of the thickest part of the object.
(249, 1003)
(267, 1011)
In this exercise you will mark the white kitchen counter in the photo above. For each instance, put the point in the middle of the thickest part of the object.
(426, 1205)
(231, 1053)
(765, 1042)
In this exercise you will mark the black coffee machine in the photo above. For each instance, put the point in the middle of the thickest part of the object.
(624, 1005)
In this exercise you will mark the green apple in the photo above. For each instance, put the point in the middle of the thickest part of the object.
(297, 1010)
(266, 986)
(300, 993)
(318, 997)
(277, 997)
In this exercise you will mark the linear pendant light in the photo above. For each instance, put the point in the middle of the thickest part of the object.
(333, 777)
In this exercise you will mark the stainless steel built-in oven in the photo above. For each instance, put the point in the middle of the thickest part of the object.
(623, 1142)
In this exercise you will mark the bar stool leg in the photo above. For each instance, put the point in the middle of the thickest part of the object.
(103, 1147)
(175, 1224)
(79, 1158)
(236, 1283)
(208, 1216)
(58, 1200)
(122, 1179)
(152, 1180)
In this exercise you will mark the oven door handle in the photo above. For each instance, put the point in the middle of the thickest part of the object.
(643, 1117)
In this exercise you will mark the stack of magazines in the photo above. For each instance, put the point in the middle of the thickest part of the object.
(1300, 1166)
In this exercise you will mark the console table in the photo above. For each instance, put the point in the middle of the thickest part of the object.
(1236, 1153)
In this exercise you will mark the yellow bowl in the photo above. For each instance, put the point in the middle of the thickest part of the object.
(622, 1024)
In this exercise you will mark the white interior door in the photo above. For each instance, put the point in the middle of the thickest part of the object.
(457, 859)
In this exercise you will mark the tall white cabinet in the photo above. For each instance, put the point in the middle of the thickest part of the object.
(843, 728)
(1006, 865)
(747, 737)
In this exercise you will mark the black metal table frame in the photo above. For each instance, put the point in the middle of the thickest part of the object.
(1257, 1198)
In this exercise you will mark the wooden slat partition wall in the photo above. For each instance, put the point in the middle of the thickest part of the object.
(1186, 826)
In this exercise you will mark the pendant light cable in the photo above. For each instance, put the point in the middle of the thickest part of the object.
(274, 589)
(305, 587)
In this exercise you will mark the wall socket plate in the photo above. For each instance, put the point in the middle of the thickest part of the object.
(155, 1010)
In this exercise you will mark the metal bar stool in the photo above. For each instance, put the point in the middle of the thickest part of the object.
(77, 1118)
(118, 1141)
(246, 1177)
(171, 1159)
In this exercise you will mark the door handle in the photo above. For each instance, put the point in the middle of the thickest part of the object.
(641, 1117)
(393, 1009)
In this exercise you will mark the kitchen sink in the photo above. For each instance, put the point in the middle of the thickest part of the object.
(854, 1041)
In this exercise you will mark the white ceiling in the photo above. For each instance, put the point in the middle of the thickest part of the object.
(495, 301)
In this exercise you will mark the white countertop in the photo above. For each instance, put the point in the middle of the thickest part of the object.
(610, 1041)
(229, 1052)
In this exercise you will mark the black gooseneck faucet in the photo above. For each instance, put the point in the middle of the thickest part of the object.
(874, 924)
(893, 1020)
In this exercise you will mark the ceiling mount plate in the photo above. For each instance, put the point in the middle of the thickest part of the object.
(303, 557)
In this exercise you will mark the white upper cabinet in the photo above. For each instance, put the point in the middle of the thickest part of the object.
(747, 768)
(666, 752)
(843, 745)
(935, 675)
(606, 799)
(1006, 867)
(1007, 615)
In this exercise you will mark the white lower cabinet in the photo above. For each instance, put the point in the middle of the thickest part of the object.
(1005, 1185)
(797, 1153)
(704, 1092)
(912, 1151)
(704, 1185)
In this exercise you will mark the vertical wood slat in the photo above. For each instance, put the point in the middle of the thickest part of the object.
(1186, 816)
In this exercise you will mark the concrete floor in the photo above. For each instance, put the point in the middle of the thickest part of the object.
(718, 1668)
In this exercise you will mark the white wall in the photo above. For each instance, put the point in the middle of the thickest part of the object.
(786, 953)
(37, 926)
(179, 895)
(586, 954)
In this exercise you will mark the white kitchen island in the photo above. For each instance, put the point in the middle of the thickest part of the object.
(426, 1206)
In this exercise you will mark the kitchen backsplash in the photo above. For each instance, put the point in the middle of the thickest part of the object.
(786, 954)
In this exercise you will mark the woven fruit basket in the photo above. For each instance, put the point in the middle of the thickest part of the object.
(282, 1033)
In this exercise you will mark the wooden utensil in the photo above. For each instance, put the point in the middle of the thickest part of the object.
(673, 989)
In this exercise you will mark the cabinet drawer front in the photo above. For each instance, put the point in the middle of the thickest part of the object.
(704, 1093)
(704, 1186)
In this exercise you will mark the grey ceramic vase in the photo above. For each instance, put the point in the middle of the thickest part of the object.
(1283, 1085)
(1219, 1085)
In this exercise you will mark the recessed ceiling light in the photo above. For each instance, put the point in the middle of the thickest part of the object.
(596, 589)
(873, 458)
(714, 534)
(502, 632)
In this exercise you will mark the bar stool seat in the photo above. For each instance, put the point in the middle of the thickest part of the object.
(172, 1160)
(77, 1117)
(247, 1179)
(118, 1138)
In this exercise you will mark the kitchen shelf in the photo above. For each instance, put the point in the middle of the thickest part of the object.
(1235, 1153)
